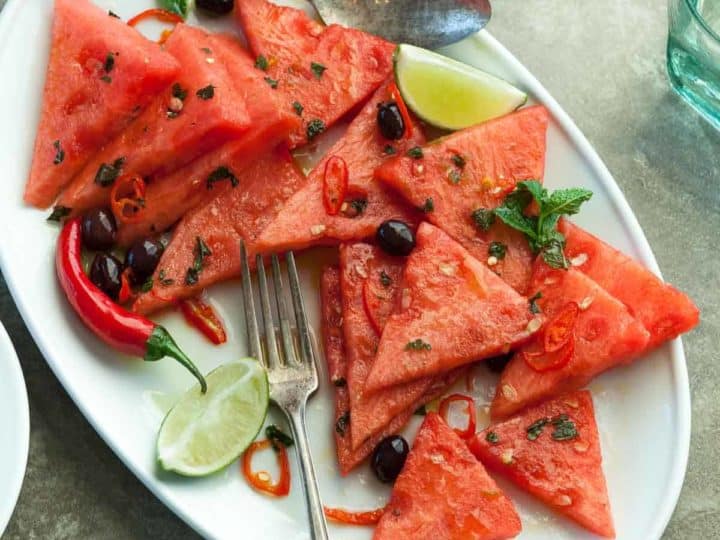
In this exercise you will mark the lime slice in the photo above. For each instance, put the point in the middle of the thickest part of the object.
(449, 94)
(205, 432)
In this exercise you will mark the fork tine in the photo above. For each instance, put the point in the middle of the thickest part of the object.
(253, 335)
(300, 318)
(285, 329)
(273, 359)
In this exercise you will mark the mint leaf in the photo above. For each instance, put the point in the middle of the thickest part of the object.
(517, 220)
(554, 256)
(565, 201)
(535, 189)
(175, 6)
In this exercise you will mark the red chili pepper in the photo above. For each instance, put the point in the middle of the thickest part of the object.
(127, 332)
(407, 120)
(335, 185)
(469, 430)
(156, 13)
(127, 199)
(542, 361)
(560, 329)
(370, 517)
(262, 481)
(125, 293)
(203, 317)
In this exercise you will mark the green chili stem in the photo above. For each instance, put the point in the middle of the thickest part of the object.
(161, 344)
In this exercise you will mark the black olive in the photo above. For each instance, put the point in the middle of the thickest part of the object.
(142, 259)
(395, 237)
(99, 229)
(389, 457)
(497, 364)
(218, 7)
(390, 121)
(105, 273)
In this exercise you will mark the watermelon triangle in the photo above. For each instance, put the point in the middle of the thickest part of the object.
(235, 215)
(327, 71)
(168, 198)
(334, 348)
(305, 222)
(160, 141)
(605, 335)
(474, 169)
(661, 308)
(453, 311)
(366, 305)
(444, 492)
(84, 104)
(565, 474)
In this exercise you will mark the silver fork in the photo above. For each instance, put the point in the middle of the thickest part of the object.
(292, 374)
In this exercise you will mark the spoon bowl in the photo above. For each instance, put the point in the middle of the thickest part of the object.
(425, 23)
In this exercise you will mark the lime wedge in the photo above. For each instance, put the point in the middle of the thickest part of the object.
(205, 432)
(449, 94)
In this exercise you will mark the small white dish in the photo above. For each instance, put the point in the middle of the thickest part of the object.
(14, 428)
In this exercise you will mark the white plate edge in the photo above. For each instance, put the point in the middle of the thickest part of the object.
(617, 198)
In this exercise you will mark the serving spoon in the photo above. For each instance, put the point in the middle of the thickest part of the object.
(425, 23)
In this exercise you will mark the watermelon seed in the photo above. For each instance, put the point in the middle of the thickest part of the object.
(534, 325)
(563, 500)
(492, 260)
(507, 456)
(585, 303)
(579, 260)
(509, 392)
(581, 447)
(317, 230)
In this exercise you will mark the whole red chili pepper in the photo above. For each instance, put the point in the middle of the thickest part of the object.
(127, 332)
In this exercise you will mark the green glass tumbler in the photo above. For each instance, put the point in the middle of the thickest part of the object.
(693, 54)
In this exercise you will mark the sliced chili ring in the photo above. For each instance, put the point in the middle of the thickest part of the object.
(469, 430)
(156, 13)
(541, 361)
(125, 293)
(560, 328)
(127, 199)
(335, 185)
(262, 481)
(397, 96)
(203, 317)
(371, 517)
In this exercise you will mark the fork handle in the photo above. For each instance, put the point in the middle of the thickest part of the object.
(316, 514)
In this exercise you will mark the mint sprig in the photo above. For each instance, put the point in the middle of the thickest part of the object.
(541, 230)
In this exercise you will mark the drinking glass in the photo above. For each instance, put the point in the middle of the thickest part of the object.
(693, 54)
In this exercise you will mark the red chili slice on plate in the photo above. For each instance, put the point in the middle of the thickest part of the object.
(560, 328)
(347, 517)
(397, 96)
(445, 404)
(335, 185)
(262, 481)
(127, 199)
(547, 361)
(203, 317)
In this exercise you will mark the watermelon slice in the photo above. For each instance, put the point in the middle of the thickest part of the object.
(170, 197)
(305, 220)
(101, 74)
(661, 308)
(556, 458)
(237, 214)
(337, 369)
(321, 72)
(453, 311)
(443, 492)
(605, 335)
(470, 171)
(164, 138)
(370, 283)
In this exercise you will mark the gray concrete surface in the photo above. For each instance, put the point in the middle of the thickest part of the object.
(604, 62)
